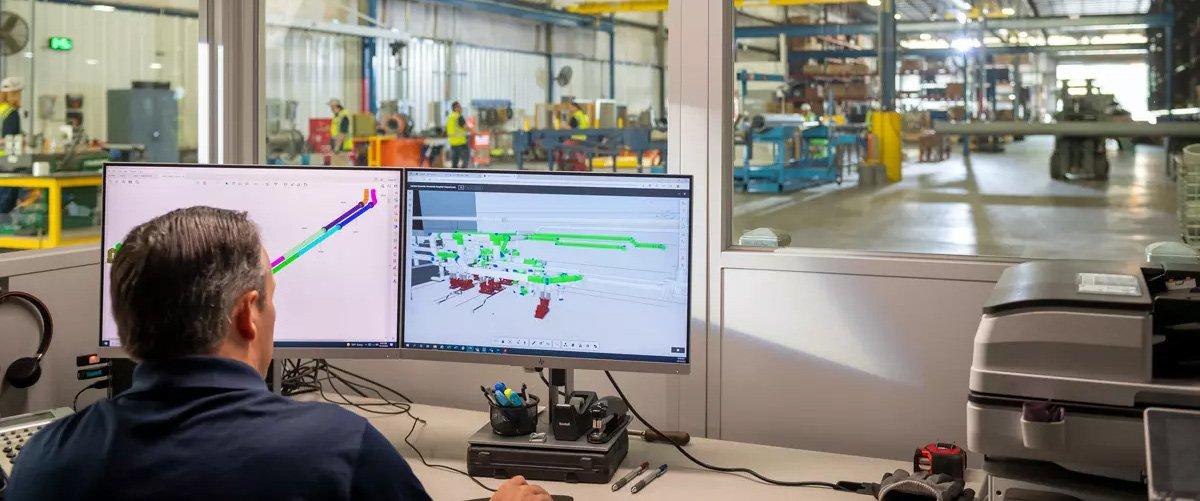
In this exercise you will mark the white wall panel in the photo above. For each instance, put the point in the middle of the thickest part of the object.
(312, 68)
(121, 47)
(496, 74)
(864, 365)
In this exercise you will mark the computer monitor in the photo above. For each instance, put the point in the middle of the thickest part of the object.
(333, 236)
(548, 269)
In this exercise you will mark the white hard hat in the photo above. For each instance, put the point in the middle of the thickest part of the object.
(806, 106)
(335, 102)
(11, 84)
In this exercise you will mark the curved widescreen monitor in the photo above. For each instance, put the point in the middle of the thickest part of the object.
(541, 269)
(333, 236)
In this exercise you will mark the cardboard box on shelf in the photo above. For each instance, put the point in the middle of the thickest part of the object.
(837, 69)
(859, 69)
(957, 113)
(804, 43)
(800, 20)
(1010, 59)
(912, 64)
(955, 91)
(813, 69)
(855, 90)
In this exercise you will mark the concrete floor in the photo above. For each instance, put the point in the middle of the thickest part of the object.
(998, 204)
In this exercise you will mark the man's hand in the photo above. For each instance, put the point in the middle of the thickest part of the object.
(517, 489)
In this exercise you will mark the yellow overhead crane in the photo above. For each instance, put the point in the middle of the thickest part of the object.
(600, 7)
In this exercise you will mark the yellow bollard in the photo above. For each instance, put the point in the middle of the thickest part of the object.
(885, 125)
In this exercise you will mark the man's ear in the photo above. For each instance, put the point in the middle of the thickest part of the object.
(245, 315)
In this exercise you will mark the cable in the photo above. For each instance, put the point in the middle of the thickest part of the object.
(369, 380)
(702, 464)
(333, 376)
(103, 383)
(437, 466)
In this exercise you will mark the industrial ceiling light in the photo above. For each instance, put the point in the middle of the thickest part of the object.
(1008, 11)
(103, 8)
(873, 3)
(926, 36)
(156, 66)
(92, 61)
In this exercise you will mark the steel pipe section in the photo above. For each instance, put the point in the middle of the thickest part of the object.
(1076, 129)
(766, 121)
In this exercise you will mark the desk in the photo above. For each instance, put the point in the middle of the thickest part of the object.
(443, 440)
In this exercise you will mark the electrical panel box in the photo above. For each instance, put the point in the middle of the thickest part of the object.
(147, 117)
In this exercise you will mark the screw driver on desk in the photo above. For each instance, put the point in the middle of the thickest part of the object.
(632, 475)
(646, 481)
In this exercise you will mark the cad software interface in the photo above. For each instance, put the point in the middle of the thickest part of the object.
(332, 235)
(566, 265)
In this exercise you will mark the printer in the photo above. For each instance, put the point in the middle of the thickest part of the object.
(1068, 356)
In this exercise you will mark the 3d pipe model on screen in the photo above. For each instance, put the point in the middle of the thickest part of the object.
(368, 201)
(494, 262)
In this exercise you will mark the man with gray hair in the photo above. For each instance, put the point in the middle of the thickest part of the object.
(192, 295)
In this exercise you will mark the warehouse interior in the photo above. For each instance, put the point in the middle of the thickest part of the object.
(395, 68)
(865, 176)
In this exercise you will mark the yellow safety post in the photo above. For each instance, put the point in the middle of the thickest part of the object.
(885, 125)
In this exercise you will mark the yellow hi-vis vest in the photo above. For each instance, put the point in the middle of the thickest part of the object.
(5, 110)
(581, 122)
(335, 129)
(457, 134)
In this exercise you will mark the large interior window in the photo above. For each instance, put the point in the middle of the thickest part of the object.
(562, 85)
(804, 137)
(82, 83)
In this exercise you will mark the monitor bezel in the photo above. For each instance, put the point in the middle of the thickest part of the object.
(279, 351)
(556, 362)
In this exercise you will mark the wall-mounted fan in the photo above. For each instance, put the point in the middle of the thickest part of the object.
(14, 33)
(564, 76)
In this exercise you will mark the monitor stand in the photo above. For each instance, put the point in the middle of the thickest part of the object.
(492, 455)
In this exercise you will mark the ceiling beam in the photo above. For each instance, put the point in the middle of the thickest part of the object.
(1012, 23)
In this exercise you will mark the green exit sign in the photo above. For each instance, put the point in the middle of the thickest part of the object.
(61, 43)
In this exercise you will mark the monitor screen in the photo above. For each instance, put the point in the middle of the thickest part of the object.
(333, 236)
(571, 266)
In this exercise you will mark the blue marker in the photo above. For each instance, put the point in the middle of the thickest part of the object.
(501, 400)
(499, 386)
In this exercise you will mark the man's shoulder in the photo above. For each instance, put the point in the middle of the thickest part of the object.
(306, 416)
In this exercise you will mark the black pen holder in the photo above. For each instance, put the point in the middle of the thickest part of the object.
(514, 421)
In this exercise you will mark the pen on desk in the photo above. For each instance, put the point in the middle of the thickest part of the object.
(646, 481)
(632, 475)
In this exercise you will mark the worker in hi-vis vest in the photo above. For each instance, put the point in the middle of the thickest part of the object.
(456, 135)
(10, 125)
(340, 135)
(579, 120)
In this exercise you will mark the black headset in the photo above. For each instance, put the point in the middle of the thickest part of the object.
(26, 371)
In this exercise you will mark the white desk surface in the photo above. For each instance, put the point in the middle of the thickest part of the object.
(443, 440)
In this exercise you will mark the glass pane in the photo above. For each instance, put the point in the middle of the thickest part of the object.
(83, 84)
(807, 154)
(534, 85)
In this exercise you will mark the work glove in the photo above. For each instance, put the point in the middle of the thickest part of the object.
(921, 486)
